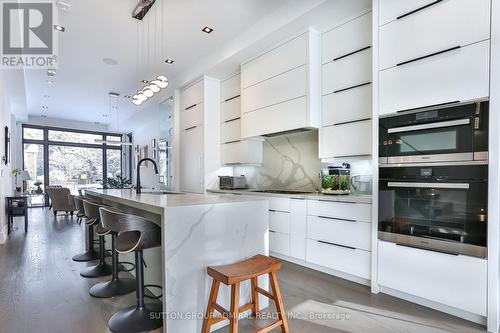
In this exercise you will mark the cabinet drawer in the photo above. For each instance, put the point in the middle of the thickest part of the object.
(458, 75)
(192, 95)
(347, 105)
(346, 260)
(349, 37)
(277, 118)
(342, 210)
(457, 281)
(437, 28)
(192, 116)
(283, 58)
(279, 243)
(342, 232)
(230, 88)
(279, 222)
(347, 140)
(231, 109)
(241, 152)
(230, 131)
(279, 204)
(347, 72)
(281, 88)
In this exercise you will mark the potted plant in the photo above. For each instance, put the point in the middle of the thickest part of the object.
(16, 172)
(118, 182)
(38, 188)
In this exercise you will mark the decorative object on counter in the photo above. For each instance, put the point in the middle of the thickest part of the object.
(335, 179)
(233, 275)
(361, 184)
(38, 189)
(232, 183)
(6, 157)
(117, 182)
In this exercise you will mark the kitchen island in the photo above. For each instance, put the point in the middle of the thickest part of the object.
(197, 231)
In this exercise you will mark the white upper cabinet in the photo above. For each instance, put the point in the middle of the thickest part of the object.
(347, 38)
(233, 149)
(347, 90)
(281, 88)
(192, 96)
(283, 58)
(437, 28)
(457, 75)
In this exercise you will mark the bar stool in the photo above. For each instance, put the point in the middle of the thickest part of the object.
(91, 253)
(116, 286)
(232, 275)
(134, 235)
(102, 268)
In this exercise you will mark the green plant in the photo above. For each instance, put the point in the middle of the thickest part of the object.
(118, 182)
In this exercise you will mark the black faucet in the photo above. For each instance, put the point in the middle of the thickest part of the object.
(138, 177)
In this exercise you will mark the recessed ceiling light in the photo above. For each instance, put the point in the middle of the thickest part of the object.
(110, 61)
(144, 81)
(207, 30)
(169, 61)
(51, 72)
(43, 116)
(59, 28)
(126, 96)
(45, 107)
(105, 116)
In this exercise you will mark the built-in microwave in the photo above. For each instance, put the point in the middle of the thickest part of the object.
(452, 133)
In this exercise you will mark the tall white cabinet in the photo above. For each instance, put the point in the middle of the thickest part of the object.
(199, 134)
(346, 90)
(280, 88)
(234, 149)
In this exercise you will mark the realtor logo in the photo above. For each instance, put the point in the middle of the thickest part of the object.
(28, 39)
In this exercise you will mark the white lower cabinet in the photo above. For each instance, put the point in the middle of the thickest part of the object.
(298, 228)
(343, 259)
(279, 243)
(454, 280)
(342, 232)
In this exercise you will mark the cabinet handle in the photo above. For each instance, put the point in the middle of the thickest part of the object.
(335, 218)
(348, 202)
(234, 141)
(349, 88)
(344, 246)
(272, 231)
(190, 107)
(231, 98)
(359, 155)
(423, 248)
(230, 120)
(419, 9)
(429, 55)
(353, 52)
(430, 107)
(352, 121)
(278, 211)
(190, 128)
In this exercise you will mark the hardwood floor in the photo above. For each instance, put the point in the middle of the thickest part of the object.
(41, 291)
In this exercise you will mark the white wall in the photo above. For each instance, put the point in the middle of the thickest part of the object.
(6, 180)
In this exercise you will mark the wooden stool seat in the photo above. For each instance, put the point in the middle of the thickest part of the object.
(232, 275)
(244, 270)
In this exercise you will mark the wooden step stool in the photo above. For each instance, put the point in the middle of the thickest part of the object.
(232, 275)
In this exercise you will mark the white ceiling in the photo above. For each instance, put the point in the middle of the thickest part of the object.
(97, 29)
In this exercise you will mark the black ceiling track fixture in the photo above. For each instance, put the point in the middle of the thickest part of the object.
(142, 9)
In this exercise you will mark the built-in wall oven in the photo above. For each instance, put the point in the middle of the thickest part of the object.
(433, 179)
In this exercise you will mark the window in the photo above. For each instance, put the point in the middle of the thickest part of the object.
(70, 158)
(32, 133)
(75, 137)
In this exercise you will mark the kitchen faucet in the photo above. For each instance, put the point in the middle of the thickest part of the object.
(138, 176)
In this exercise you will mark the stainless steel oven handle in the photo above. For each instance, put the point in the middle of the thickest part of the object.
(463, 186)
(441, 124)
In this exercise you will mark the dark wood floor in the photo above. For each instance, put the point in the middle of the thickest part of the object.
(41, 291)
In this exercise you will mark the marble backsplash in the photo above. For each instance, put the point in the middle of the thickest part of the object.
(291, 163)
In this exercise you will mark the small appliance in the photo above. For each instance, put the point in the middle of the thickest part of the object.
(232, 182)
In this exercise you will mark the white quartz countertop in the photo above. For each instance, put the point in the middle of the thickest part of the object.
(168, 200)
(358, 198)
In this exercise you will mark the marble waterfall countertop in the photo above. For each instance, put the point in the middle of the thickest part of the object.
(358, 198)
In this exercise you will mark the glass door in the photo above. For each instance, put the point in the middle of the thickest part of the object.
(34, 164)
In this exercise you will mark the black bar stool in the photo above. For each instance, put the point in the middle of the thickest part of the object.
(116, 286)
(102, 268)
(134, 235)
(91, 253)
